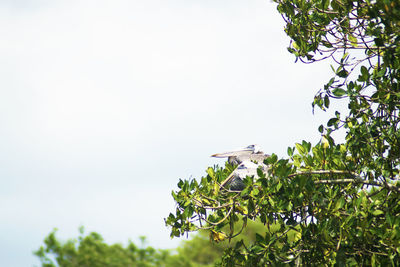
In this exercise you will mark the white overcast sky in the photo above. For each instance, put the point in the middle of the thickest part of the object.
(104, 105)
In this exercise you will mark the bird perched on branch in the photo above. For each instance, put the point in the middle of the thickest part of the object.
(248, 159)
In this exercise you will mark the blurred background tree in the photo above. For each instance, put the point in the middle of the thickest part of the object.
(91, 250)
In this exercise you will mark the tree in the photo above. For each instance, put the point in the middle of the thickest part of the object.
(327, 203)
(91, 250)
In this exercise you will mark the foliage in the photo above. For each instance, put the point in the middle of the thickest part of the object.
(91, 250)
(199, 251)
(329, 203)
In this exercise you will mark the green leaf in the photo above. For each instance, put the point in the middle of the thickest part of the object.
(352, 39)
(326, 101)
(332, 122)
(257, 249)
(343, 73)
(377, 212)
(211, 172)
(340, 203)
(379, 42)
(338, 92)
(306, 145)
(290, 151)
(260, 172)
(259, 238)
(271, 159)
(364, 74)
(300, 148)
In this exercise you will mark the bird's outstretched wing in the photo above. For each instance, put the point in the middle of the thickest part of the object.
(248, 159)
(237, 156)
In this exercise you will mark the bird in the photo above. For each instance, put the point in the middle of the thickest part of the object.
(248, 160)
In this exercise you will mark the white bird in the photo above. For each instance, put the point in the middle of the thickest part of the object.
(249, 159)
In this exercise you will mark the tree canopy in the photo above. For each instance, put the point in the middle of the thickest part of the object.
(92, 250)
(328, 203)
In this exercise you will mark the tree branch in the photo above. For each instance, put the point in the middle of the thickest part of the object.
(357, 179)
(323, 172)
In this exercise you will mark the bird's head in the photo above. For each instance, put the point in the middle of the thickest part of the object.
(254, 148)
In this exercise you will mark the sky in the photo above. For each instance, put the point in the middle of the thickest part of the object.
(105, 105)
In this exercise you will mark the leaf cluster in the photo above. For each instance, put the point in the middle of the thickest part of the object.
(91, 250)
(327, 203)
(310, 212)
